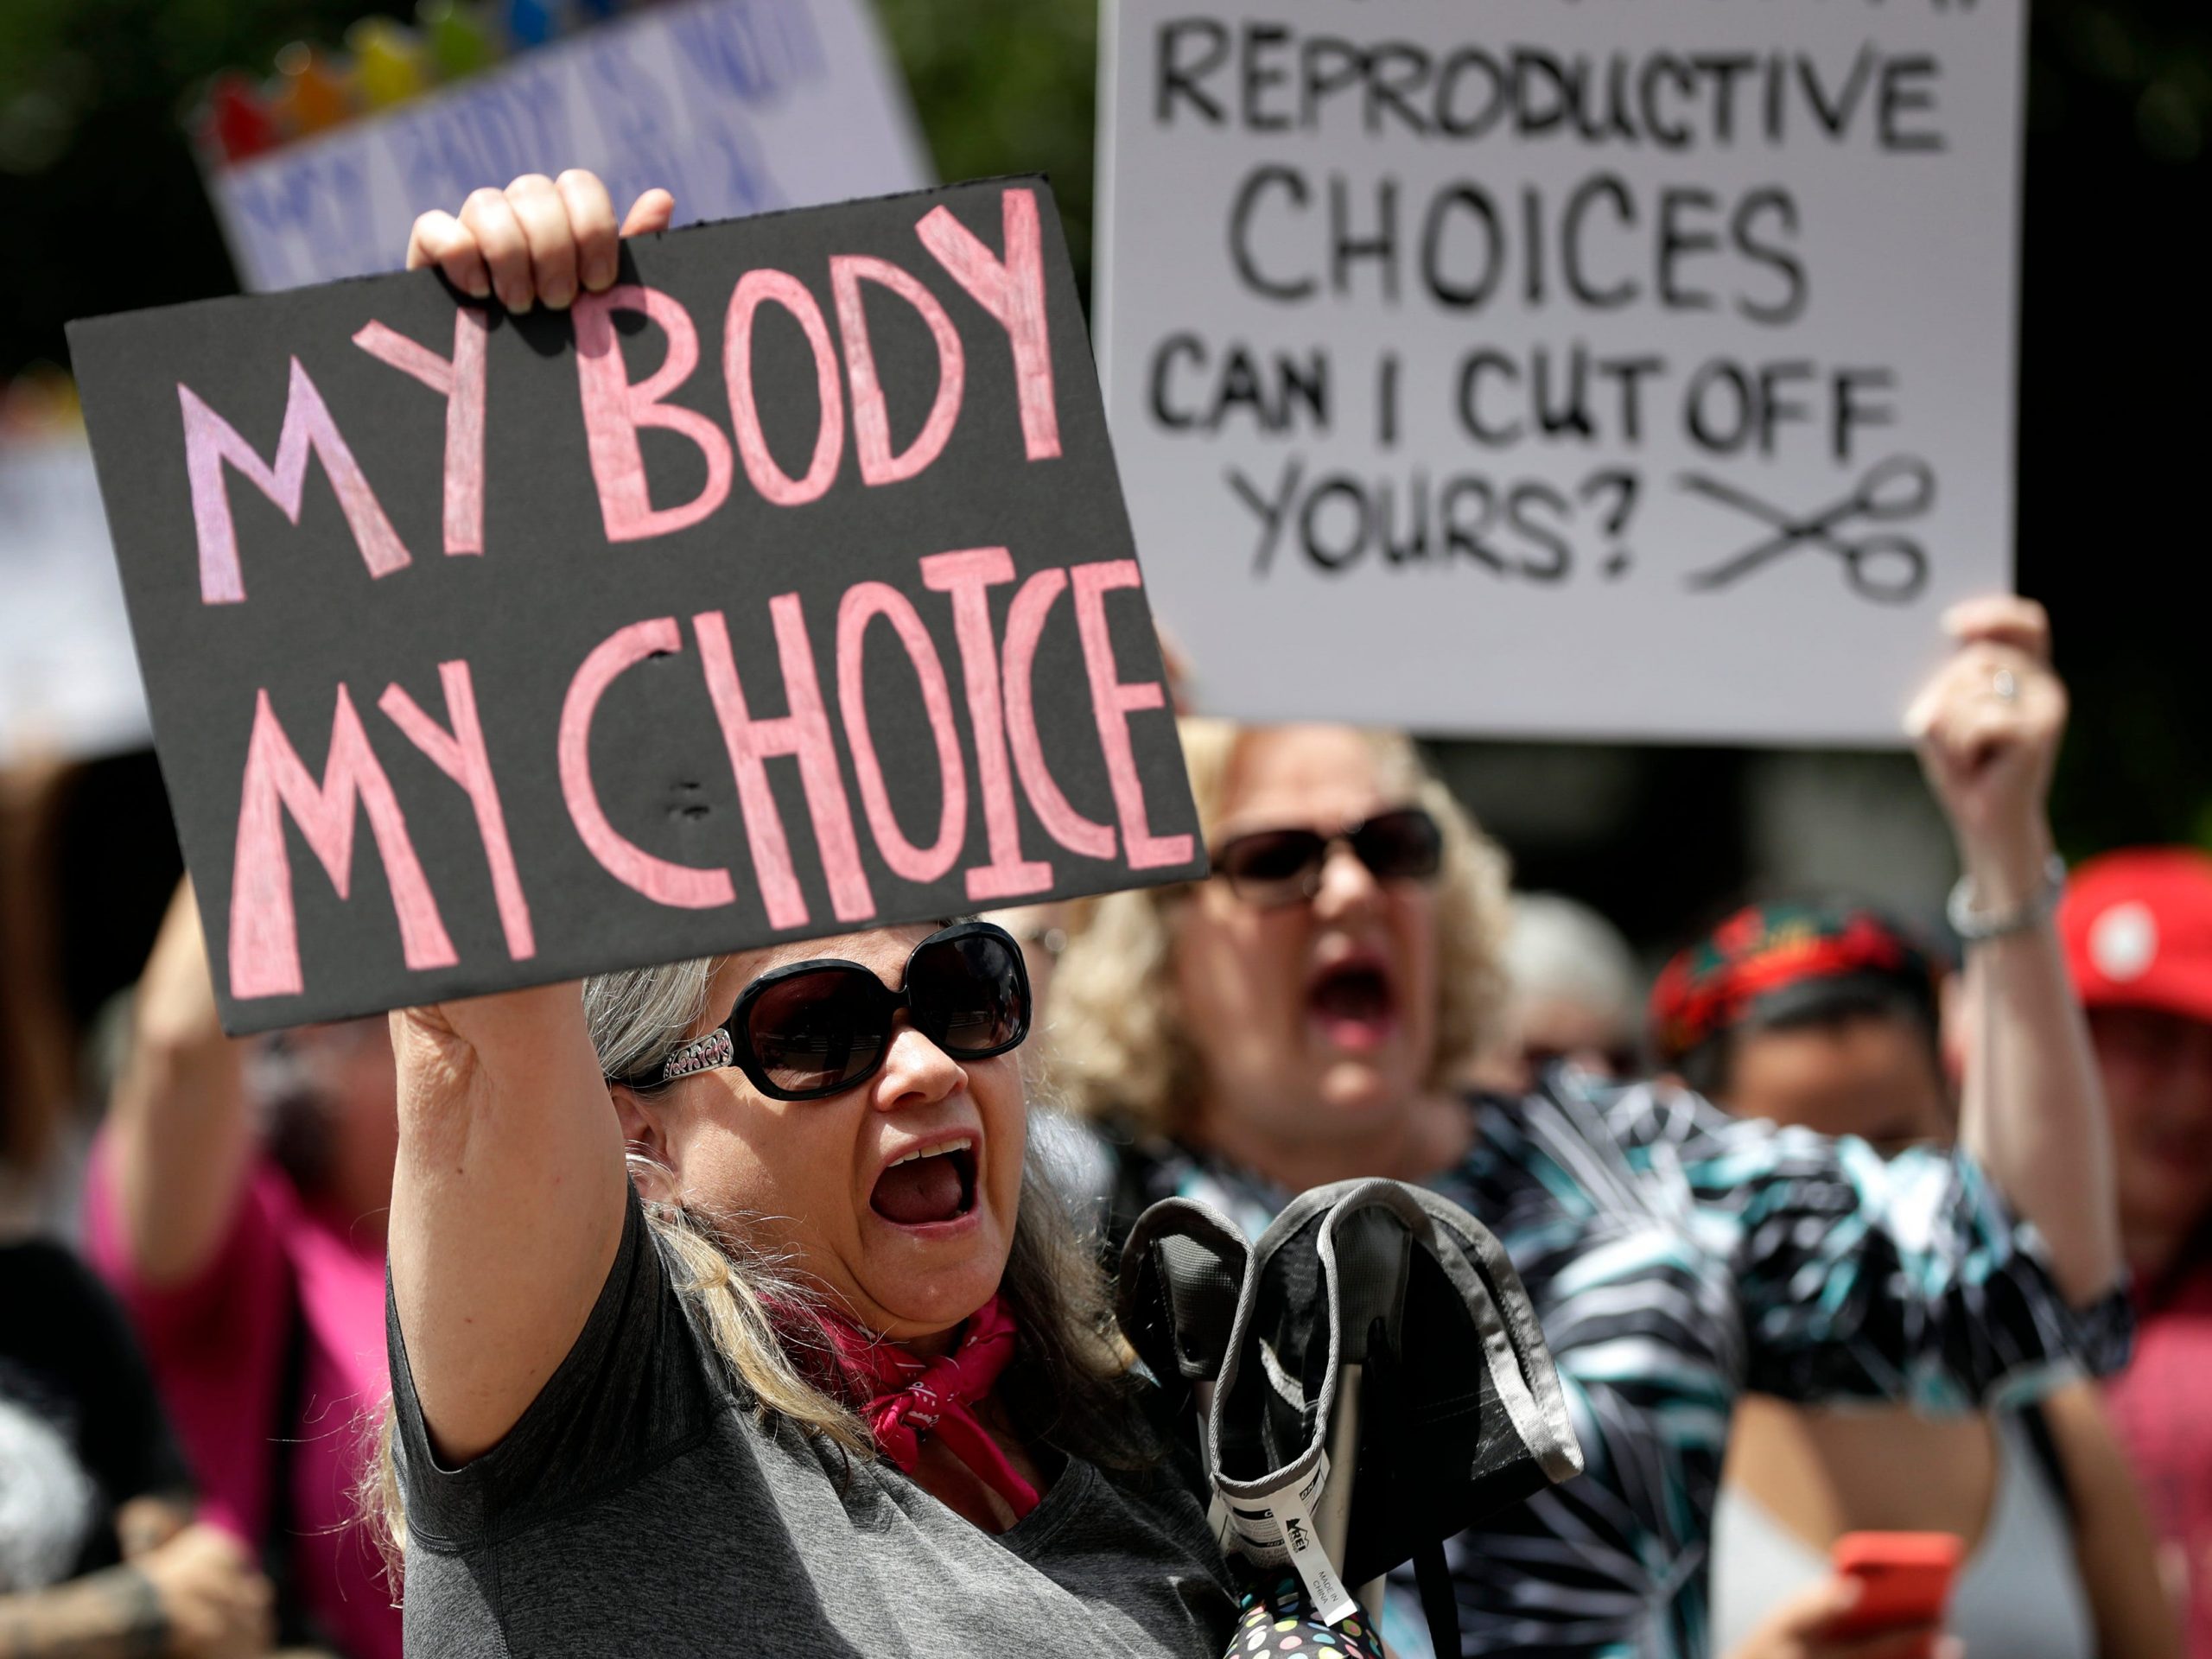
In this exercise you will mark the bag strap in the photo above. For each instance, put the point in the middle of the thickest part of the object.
(279, 1544)
(1382, 1412)
(1440, 1604)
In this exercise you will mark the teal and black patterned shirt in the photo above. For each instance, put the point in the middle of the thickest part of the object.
(1677, 1258)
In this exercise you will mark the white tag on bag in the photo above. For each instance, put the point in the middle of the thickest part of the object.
(1279, 1530)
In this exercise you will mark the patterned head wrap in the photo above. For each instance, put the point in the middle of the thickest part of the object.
(1763, 949)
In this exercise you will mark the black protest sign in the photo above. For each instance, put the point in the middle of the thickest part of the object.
(784, 589)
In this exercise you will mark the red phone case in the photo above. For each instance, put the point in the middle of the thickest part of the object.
(1906, 1577)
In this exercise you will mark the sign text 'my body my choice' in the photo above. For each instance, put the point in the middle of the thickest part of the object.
(808, 491)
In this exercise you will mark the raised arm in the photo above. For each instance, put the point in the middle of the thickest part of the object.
(507, 1199)
(506, 1202)
(179, 1133)
(1988, 726)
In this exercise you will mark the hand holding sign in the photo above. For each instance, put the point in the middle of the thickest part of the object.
(650, 653)
(539, 239)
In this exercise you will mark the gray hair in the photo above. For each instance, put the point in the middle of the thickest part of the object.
(638, 1016)
(1559, 948)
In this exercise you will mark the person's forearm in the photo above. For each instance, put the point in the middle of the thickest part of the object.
(2034, 1108)
(2115, 1545)
(110, 1615)
(506, 1202)
(180, 1134)
(180, 1141)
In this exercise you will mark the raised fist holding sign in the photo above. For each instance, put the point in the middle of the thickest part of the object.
(536, 241)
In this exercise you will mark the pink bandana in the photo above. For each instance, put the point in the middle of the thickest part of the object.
(913, 1397)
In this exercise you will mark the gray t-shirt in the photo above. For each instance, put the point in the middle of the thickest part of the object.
(639, 1509)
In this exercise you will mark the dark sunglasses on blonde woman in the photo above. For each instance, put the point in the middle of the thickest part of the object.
(811, 1029)
(1271, 867)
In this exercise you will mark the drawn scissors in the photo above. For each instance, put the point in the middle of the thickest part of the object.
(1889, 569)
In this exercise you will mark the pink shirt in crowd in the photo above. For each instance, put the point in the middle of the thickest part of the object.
(220, 1346)
(2162, 1406)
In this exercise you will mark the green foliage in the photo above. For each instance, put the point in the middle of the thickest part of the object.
(1006, 86)
(98, 193)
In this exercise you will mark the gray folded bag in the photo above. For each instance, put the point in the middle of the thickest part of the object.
(1369, 1380)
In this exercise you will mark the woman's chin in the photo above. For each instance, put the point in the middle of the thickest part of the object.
(915, 1298)
(1364, 1088)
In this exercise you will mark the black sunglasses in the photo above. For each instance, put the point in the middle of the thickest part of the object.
(811, 1029)
(1271, 867)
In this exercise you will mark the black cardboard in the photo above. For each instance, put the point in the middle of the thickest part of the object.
(549, 587)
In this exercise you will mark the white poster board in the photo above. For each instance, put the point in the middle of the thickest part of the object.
(737, 106)
(1603, 369)
(69, 682)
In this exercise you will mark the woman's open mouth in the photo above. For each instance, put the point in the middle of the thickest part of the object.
(1353, 1004)
(935, 1183)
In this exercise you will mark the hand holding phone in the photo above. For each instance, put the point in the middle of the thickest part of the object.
(1904, 1579)
(1884, 1600)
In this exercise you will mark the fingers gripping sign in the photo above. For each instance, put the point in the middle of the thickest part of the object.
(552, 240)
(591, 217)
(539, 239)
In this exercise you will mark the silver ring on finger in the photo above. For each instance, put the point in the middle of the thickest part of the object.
(2003, 686)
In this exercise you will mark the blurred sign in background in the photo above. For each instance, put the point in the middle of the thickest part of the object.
(737, 106)
(68, 683)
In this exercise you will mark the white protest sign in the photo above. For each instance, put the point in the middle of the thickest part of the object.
(68, 682)
(737, 106)
(1580, 369)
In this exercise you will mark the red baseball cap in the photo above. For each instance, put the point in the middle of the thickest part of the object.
(2137, 926)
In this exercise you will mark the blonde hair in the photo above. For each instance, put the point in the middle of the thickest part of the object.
(1068, 1383)
(1120, 1048)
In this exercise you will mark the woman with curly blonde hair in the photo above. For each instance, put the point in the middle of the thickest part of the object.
(1304, 1016)
(1417, 962)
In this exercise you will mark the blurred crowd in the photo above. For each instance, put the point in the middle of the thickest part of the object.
(193, 1368)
